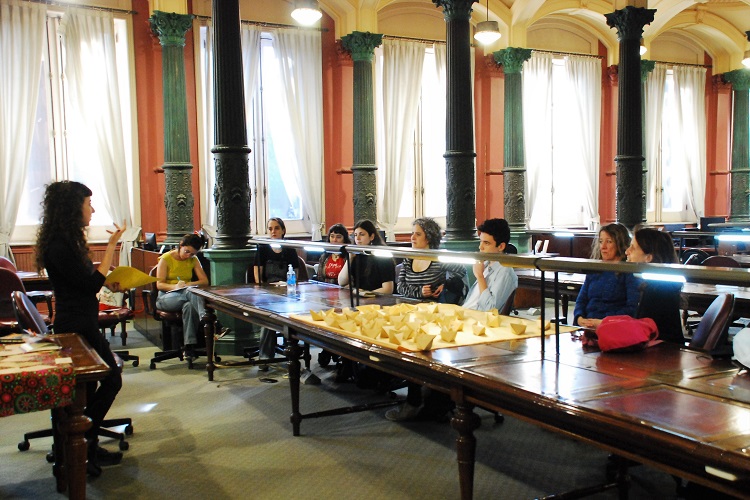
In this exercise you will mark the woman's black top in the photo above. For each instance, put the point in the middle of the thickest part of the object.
(275, 265)
(369, 273)
(660, 301)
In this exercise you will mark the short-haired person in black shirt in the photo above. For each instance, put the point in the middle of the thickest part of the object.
(370, 273)
(62, 249)
(271, 265)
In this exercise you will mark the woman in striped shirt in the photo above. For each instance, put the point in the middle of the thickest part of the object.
(427, 279)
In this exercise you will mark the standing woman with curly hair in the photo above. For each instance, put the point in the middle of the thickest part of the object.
(62, 250)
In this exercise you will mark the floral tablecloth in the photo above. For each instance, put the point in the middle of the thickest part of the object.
(42, 386)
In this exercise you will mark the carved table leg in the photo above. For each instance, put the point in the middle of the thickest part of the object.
(465, 421)
(209, 322)
(73, 424)
(293, 352)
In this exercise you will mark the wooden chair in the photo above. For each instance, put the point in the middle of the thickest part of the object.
(712, 331)
(30, 319)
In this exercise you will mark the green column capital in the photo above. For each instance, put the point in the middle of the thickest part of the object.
(512, 59)
(455, 10)
(361, 44)
(630, 21)
(170, 27)
(646, 68)
(739, 78)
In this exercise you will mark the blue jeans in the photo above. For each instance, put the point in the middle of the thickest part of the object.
(193, 308)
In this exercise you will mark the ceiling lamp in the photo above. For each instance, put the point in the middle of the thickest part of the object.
(487, 32)
(306, 12)
(746, 59)
(642, 49)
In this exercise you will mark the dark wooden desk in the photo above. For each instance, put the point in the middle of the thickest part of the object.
(676, 410)
(69, 423)
(697, 296)
(33, 281)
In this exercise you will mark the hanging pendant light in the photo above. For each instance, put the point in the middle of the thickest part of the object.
(306, 12)
(642, 49)
(487, 32)
(746, 56)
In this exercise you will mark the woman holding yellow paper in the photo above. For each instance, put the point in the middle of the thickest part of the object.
(62, 249)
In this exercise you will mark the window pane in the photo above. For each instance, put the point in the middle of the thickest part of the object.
(433, 140)
(39, 172)
(284, 199)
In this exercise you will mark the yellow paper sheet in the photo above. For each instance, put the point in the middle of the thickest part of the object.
(128, 277)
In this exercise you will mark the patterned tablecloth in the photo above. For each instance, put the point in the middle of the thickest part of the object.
(37, 382)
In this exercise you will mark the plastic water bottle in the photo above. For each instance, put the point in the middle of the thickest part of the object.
(291, 281)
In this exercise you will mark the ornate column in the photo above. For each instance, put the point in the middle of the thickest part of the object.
(362, 45)
(178, 198)
(629, 22)
(459, 133)
(231, 152)
(740, 171)
(646, 68)
(514, 173)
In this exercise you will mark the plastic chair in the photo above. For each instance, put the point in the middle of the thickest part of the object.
(36, 296)
(720, 261)
(10, 282)
(712, 331)
(31, 319)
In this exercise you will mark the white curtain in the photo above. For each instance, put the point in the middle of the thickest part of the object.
(654, 104)
(585, 75)
(690, 83)
(402, 80)
(22, 27)
(95, 132)
(206, 140)
(302, 72)
(537, 129)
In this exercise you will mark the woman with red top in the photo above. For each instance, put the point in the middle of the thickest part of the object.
(330, 264)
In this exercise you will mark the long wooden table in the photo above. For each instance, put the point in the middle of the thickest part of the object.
(69, 423)
(677, 410)
(696, 296)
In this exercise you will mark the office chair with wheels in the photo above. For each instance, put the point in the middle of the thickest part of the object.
(113, 316)
(10, 282)
(712, 331)
(30, 319)
(171, 330)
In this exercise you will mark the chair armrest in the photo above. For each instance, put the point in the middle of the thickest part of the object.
(146, 295)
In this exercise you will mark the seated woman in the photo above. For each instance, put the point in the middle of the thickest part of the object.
(331, 263)
(369, 273)
(428, 279)
(271, 265)
(607, 293)
(660, 300)
(174, 273)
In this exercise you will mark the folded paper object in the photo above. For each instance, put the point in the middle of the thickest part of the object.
(128, 277)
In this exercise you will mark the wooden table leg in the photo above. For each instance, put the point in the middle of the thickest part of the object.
(72, 426)
(209, 328)
(465, 421)
(293, 352)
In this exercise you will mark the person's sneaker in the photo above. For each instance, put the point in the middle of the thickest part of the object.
(403, 413)
(106, 458)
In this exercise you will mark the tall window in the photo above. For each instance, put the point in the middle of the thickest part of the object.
(424, 191)
(669, 190)
(55, 131)
(274, 189)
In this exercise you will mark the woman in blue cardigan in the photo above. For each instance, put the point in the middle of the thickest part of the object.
(607, 293)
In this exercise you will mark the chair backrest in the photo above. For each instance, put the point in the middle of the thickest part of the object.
(694, 256)
(713, 328)
(511, 248)
(720, 261)
(27, 315)
(302, 274)
(5, 263)
(9, 282)
(508, 306)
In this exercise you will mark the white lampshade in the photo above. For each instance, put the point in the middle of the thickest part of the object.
(746, 59)
(643, 49)
(487, 32)
(306, 12)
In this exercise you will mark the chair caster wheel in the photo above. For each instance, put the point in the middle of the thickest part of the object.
(135, 363)
(152, 366)
(499, 418)
(124, 445)
(24, 445)
(217, 359)
(50, 457)
(128, 430)
(324, 359)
